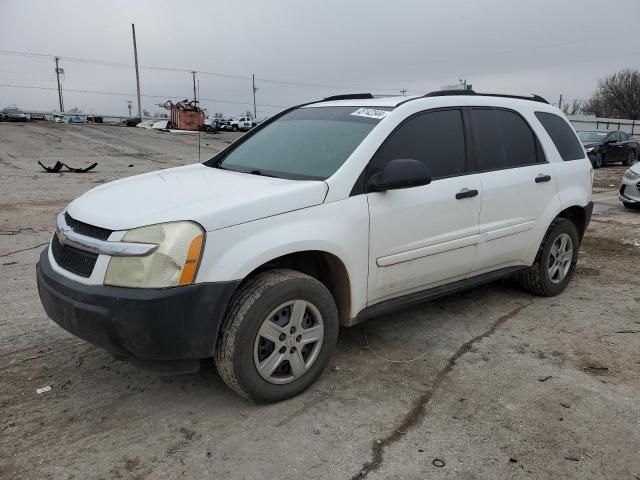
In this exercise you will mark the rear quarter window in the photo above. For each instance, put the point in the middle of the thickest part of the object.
(562, 136)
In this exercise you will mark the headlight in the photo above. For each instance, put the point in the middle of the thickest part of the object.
(590, 149)
(173, 263)
(631, 175)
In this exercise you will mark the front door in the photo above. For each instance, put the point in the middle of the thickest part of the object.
(424, 236)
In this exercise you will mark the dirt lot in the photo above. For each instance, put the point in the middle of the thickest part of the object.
(503, 384)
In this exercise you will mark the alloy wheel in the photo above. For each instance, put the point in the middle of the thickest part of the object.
(288, 342)
(560, 258)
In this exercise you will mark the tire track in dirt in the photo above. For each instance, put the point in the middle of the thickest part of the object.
(417, 413)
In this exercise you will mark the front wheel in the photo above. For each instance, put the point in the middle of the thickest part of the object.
(599, 160)
(280, 330)
(234, 128)
(555, 262)
(630, 160)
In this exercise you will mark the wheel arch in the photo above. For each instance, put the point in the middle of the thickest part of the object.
(578, 216)
(325, 267)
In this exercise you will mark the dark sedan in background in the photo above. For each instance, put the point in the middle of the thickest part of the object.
(606, 146)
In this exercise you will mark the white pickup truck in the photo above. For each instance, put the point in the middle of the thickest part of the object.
(325, 215)
(239, 123)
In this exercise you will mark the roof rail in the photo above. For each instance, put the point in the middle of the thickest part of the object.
(348, 96)
(443, 93)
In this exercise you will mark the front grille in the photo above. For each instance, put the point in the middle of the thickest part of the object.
(76, 261)
(86, 229)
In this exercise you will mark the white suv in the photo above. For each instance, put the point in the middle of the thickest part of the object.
(325, 215)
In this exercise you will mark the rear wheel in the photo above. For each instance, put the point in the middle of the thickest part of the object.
(555, 262)
(278, 335)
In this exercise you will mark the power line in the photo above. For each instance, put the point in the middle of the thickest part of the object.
(219, 100)
(183, 70)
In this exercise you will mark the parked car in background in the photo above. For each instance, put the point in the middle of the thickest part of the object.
(629, 193)
(239, 123)
(132, 122)
(13, 114)
(57, 118)
(605, 146)
(77, 119)
(212, 125)
(332, 213)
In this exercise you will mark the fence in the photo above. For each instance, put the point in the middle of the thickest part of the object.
(585, 122)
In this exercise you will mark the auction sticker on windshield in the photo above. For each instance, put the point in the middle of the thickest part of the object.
(370, 113)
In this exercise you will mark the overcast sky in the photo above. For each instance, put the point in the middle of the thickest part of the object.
(544, 46)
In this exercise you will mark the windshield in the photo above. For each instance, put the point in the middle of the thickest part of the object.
(592, 137)
(306, 143)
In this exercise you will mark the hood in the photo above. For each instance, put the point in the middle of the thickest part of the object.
(212, 197)
(635, 168)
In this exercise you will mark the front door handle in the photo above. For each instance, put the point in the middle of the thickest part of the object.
(466, 193)
(542, 178)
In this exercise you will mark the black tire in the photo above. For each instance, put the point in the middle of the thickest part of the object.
(536, 278)
(248, 309)
(598, 160)
(234, 128)
(631, 206)
(631, 158)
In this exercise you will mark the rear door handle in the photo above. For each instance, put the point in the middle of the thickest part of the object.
(542, 178)
(466, 193)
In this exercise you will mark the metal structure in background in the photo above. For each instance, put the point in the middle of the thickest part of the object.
(185, 115)
(253, 82)
(135, 56)
(586, 122)
(195, 94)
(58, 72)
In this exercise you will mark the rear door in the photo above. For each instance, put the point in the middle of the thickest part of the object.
(424, 236)
(518, 186)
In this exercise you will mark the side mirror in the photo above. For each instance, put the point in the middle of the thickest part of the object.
(400, 173)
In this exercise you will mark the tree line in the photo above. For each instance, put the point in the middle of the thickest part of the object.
(617, 96)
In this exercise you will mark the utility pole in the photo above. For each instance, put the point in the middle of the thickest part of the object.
(195, 96)
(403, 91)
(560, 102)
(135, 56)
(58, 72)
(129, 106)
(253, 82)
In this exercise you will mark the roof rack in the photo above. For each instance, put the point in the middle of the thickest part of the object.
(348, 96)
(444, 93)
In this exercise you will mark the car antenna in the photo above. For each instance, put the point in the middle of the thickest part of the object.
(199, 120)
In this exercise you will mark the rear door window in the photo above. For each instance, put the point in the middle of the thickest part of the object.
(562, 136)
(503, 139)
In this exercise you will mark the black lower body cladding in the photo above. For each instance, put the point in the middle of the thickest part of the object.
(179, 323)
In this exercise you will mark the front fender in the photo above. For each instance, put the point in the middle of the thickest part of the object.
(340, 228)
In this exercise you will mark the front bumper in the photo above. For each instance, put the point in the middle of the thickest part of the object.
(179, 323)
(629, 191)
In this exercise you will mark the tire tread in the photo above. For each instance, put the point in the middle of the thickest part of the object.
(243, 299)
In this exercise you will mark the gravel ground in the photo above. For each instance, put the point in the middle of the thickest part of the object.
(488, 383)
